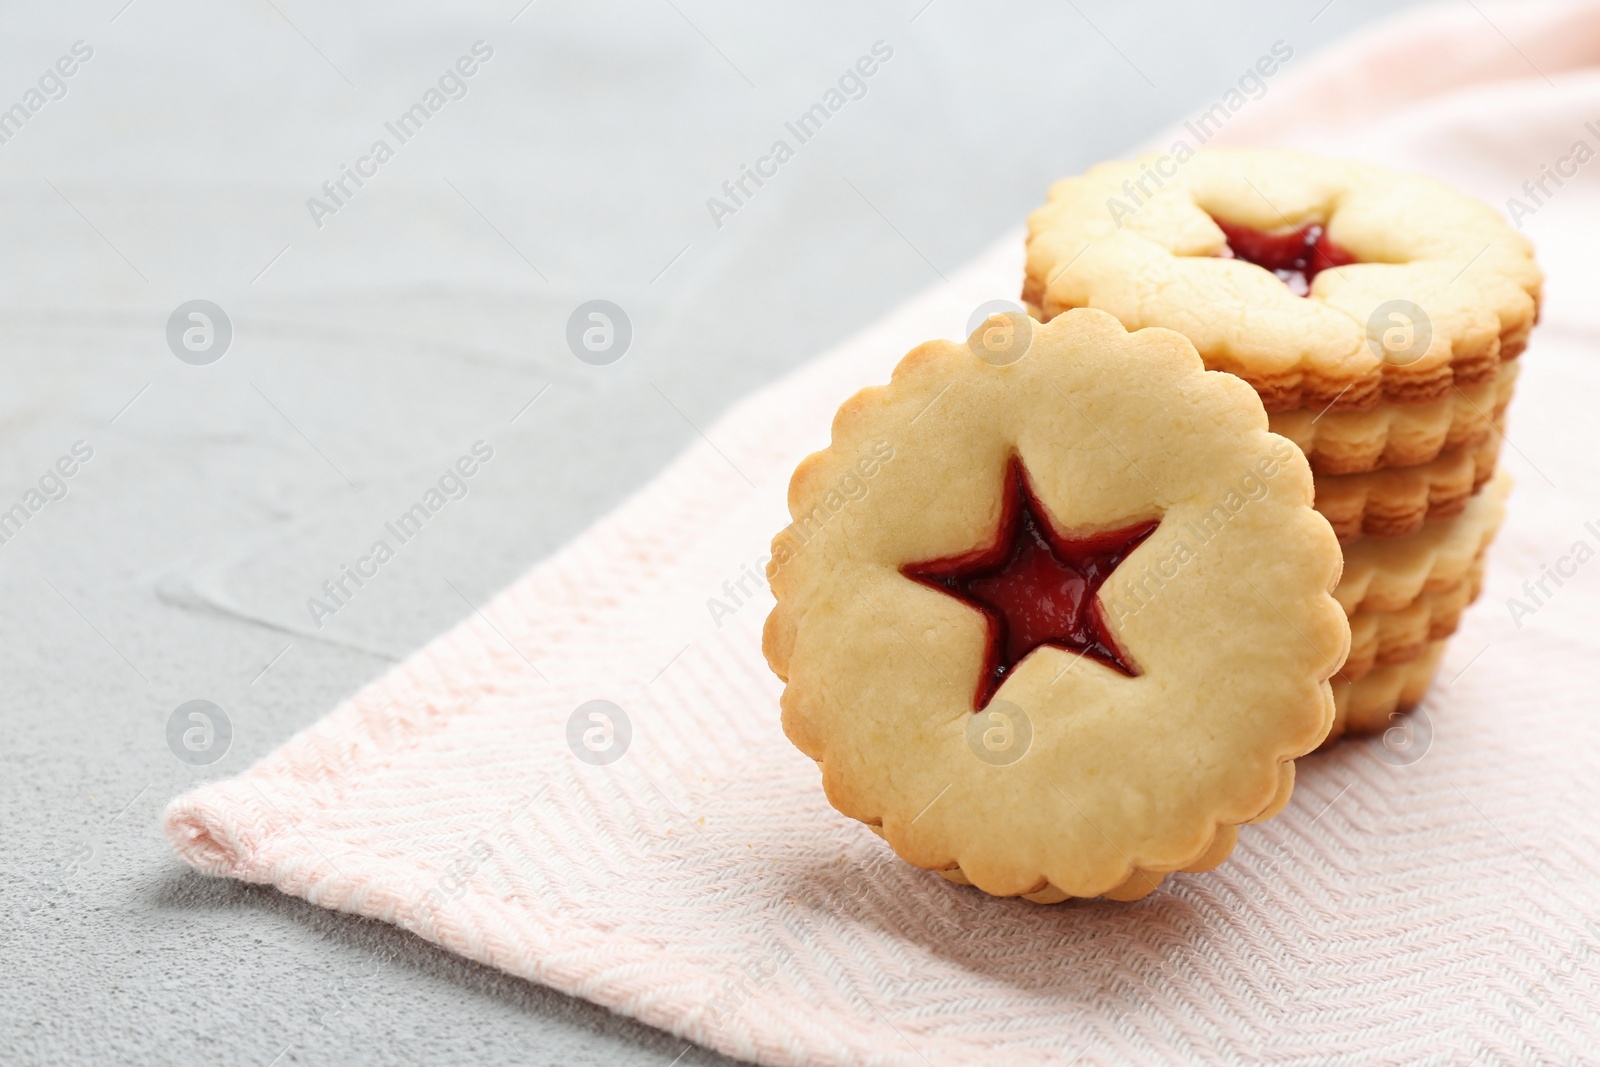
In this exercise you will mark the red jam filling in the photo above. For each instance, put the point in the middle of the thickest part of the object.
(1035, 586)
(1296, 257)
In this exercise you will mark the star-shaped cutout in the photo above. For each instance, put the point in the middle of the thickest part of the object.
(1296, 257)
(1034, 585)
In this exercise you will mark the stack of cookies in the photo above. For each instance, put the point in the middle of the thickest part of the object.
(1099, 599)
(1378, 314)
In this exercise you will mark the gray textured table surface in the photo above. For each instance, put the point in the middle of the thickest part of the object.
(423, 313)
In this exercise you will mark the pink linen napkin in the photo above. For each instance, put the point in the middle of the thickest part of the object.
(678, 863)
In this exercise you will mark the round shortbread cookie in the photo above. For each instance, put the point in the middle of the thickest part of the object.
(1175, 243)
(1396, 501)
(1056, 626)
(1371, 705)
(1381, 639)
(1388, 574)
(1399, 435)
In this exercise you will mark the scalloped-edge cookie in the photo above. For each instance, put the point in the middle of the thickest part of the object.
(1384, 638)
(1399, 435)
(1220, 245)
(1056, 626)
(1370, 705)
(1389, 574)
(1396, 501)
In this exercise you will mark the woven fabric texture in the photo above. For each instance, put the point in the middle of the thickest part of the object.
(1427, 905)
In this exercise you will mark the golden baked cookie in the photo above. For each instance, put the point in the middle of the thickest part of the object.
(1389, 574)
(1396, 501)
(1399, 435)
(1384, 638)
(1056, 625)
(1368, 706)
(1287, 269)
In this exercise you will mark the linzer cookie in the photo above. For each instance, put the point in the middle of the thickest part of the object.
(1388, 575)
(1378, 314)
(1368, 706)
(1386, 638)
(1081, 627)
(1396, 501)
(1405, 597)
(1399, 435)
(1326, 284)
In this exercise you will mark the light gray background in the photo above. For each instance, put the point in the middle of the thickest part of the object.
(369, 353)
